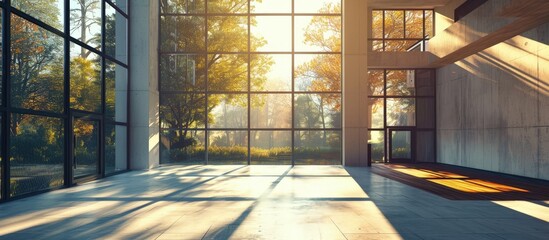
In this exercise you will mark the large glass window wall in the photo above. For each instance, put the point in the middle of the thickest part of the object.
(250, 82)
(64, 94)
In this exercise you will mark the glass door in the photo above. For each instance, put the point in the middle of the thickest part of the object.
(401, 145)
(86, 153)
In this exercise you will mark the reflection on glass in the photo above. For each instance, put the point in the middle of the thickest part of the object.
(401, 45)
(116, 26)
(50, 12)
(116, 146)
(180, 72)
(317, 147)
(397, 84)
(227, 6)
(228, 34)
(317, 111)
(317, 6)
(36, 67)
(271, 147)
(228, 147)
(86, 148)
(377, 45)
(36, 153)
(182, 111)
(376, 82)
(86, 21)
(182, 34)
(182, 6)
(228, 72)
(85, 80)
(376, 107)
(394, 24)
(116, 91)
(271, 111)
(123, 4)
(317, 33)
(270, 6)
(183, 146)
(414, 23)
(272, 72)
(228, 110)
(401, 112)
(377, 139)
(271, 33)
(401, 145)
(318, 72)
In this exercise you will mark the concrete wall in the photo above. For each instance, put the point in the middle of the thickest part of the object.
(355, 75)
(144, 98)
(493, 107)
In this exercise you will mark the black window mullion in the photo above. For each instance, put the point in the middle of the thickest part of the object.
(6, 59)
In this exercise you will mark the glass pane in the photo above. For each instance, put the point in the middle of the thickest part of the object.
(116, 40)
(377, 139)
(414, 23)
(224, 6)
(398, 84)
(182, 6)
(271, 34)
(317, 6)
(375, 109)
(425, 112)
(122, 4)
(429, 28)
(401, 112)
(86, 148)
(317, 33)
(36, 153)
(394, 24)
(1, 154)
(228, 110)
(228, 34)
(182, 34)
(50, 12)
(85, 78)
(377, 24)
(228, 147)
(271, 111)
(401, 145)
(317, 111)
(179, 72)
(183, 146)
(401, 45)
(271, 72)
(116, 148)
(271, 147)
(425, 82)
(318, 72)
(36, 67)
(182, 111)
(377, 46)
(228, 72)
(376, 82)
(317, 147)
(116, 91)
(1, 69)
(85, 21)
(271, 6)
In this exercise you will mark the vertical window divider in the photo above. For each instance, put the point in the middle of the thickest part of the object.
(6, 58)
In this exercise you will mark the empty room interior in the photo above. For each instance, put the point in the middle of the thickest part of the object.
(274, 119)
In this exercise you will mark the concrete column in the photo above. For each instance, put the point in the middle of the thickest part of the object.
(355, 72)
(144, 100)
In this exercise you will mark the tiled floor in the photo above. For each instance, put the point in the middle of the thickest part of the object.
(263, 202)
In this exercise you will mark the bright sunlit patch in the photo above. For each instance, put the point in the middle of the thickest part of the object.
(529, 208)
(417, 173)
(501, 187)
(464, 185)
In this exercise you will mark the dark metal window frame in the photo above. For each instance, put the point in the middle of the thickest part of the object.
(67, 115)
(249, 92)
(386, 127)
(421, 41)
